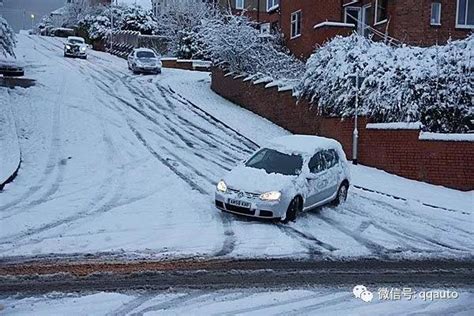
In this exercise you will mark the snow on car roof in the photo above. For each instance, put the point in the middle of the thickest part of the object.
(304, 144)
(75, 38)
(144, 50)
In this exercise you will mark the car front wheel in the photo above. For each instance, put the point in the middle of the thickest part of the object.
(293, 209)
(341, 194)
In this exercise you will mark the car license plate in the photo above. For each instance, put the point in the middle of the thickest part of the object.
(239, 203)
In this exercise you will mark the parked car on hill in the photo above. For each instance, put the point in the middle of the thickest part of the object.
(289, 175)
(144, 60)
(11, 68)
(75, 47)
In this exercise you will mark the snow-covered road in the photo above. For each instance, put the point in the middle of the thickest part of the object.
(117, 163)
(304, 301)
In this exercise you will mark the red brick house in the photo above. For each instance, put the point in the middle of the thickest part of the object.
(307, 23)
(414, 22)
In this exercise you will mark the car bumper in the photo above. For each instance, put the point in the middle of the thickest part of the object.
(148, 69)
(258, 208)
(75, 54)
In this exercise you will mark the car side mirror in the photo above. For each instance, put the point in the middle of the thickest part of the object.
(311, 176)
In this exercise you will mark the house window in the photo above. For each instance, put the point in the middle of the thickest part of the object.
(296, 24)
(465, 14)
(272, 4)
(239, 4)
(380, 11)
(436, 13)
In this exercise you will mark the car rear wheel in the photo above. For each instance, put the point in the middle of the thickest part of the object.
(293, 209)
(341, 194)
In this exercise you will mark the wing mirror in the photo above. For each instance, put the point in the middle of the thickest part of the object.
(311, 176)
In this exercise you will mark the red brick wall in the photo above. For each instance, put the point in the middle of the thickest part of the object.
(313, 12)
(396, 151)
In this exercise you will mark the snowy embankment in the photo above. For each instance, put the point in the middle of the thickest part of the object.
(10, 154)
(126, 166)
(306, 301)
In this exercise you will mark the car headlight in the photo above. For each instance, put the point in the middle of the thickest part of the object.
(270, 196)
(83, 48)
(221, 186)
(68, 47)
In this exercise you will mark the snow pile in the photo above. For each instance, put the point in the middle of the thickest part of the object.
(9, 146)
(236, 43)
(7, 38)
(408, 84)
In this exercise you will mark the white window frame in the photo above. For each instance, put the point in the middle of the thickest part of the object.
(273, 3)
(355, 9)
(462, 26)
(297, 21)
(433, 4)
(376, 22)
(241, 6)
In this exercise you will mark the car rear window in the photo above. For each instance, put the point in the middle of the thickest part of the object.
(273, 161)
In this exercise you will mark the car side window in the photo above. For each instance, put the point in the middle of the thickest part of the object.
(331, 158)
(317, 163)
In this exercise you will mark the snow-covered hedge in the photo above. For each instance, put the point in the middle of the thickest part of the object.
(131, 18)
(407, 84)
(235, 42)
(7, 38)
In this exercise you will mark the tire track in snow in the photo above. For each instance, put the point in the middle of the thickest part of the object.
(229, 240)
(316, 248)
(400, 232)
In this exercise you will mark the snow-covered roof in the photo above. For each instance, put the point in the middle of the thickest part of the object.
(59, 11)
(305, 144)
(145, 4)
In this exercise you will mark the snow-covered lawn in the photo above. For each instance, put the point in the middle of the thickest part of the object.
(310, 301)
(119, 163)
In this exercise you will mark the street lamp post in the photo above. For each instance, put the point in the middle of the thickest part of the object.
(32, 21)
(355, 133)
(357, 81)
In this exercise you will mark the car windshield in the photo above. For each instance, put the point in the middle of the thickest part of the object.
(273, 161)
(146, 55)
(75, 41)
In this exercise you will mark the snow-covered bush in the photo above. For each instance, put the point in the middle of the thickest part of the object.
(235, 41)
(135, 18)
(433, 85)
(97, 23)
(180, 23)
(7, 38)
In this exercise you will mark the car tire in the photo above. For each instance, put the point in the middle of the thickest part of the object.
(341, 196)
(293, 209)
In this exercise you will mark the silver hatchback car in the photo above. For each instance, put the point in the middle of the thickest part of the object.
(289, 175)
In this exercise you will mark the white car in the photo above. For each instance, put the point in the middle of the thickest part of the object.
(144, 60)
(75, 47)
(288, 175)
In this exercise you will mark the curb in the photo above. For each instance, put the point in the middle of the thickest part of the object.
(12, 176)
